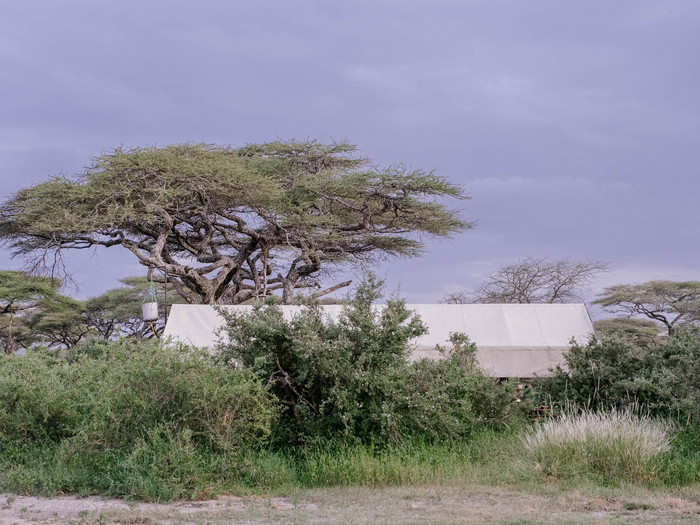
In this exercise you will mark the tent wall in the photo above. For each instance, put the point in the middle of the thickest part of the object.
(513, 340)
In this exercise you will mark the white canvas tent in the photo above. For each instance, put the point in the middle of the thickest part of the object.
(513, 340)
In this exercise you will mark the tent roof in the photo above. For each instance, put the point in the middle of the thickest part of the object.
(513, 340)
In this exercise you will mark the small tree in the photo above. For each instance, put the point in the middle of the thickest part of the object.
(533, 281)
(15, 334)
(117, 312)
(59, 324)
(231, 224)
(666, 302)
(457, 298)
(20, 295)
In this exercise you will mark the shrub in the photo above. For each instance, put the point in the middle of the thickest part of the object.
(450, 398)
(613, 445)
(140, 386)
(37, 402)
(334, 379)
(351, 378)
(112, 400)
(617, 373)
(682, 466)
(165, 464)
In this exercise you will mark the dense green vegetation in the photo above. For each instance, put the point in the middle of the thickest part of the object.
(165, 466)
(113, 413)
(618, 372)
(307, 403)
(352, 379)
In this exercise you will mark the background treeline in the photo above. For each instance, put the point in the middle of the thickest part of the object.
(33, 311)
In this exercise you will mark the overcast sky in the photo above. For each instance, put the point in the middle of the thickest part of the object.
(575, 126)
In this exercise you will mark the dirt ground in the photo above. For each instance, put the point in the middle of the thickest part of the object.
(435, 505)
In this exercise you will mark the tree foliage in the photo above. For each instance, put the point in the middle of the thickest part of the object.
(533, 281)
(231, 224)
(36, 313)
(666, 302)
(59, 325)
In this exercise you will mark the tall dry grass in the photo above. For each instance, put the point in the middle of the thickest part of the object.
(618, 445)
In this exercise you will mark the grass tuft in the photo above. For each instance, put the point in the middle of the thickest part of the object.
(614, 445)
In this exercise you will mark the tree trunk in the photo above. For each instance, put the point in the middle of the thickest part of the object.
(10, 336)
(287, 291)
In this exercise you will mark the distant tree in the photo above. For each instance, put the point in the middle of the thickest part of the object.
(59, 324)
(640, 331)
(533, 281)
(117, 312)
(231, 224)
(15, 334)
(666, 302)
(457, 298)
(22, 294)
(111, 315)
(34, 312)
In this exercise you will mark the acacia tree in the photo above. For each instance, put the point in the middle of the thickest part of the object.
(117, 312)
(33, 311)
(111, 315)
(232, 224)
(59, 324)
(667, 302)
(533, 281)
(22, 294)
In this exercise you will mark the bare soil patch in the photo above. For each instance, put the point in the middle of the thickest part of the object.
(435, 504)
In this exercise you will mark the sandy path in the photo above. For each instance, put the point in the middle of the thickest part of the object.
(362, 505)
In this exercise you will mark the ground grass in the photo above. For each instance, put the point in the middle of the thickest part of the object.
(165, 471)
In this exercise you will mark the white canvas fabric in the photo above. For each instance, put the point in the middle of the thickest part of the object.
(513, 340)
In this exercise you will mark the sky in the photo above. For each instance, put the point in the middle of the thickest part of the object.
(574, 126)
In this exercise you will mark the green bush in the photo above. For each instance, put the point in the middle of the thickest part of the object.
(141, 386)
(351, 379)
(37, 401)
(450, 398)
(616, 373)
(110, 401)
(682, 466)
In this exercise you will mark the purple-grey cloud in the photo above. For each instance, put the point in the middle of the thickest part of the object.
(575, 127)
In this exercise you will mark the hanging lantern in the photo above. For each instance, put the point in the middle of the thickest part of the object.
(149, 306)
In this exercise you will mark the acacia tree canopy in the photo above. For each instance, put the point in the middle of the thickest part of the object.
(58, 324)
(667, 302)
(231, 224)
